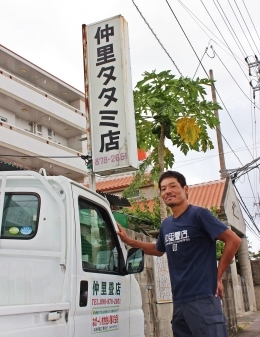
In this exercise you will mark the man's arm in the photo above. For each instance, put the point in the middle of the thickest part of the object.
(232, 243)
(149, 248)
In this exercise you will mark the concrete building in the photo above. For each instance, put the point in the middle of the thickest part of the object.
(40, 116)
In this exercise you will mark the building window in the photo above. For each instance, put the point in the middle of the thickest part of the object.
(49, 133)
(3, 119)
(39, 128)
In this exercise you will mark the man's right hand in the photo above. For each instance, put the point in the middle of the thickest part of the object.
(149, 248)
(122, 233)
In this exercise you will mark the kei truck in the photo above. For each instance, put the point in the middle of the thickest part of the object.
(64, 272)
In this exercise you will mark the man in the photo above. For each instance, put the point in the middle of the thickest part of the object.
(189, 237)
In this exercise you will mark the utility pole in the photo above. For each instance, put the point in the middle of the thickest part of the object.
(219, 137)
(89, 158)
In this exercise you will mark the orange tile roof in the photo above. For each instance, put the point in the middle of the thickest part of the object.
(115, 184)
(141, 204)
(206, 195)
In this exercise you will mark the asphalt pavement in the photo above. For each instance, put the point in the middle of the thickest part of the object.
(249, 325)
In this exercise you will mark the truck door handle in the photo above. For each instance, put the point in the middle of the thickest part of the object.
(54, 316)
(83, 298)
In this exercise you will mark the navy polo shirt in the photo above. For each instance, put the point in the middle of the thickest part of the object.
(190, 244)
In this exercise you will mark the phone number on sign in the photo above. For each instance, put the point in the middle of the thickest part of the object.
(103, 301)
(112, 159)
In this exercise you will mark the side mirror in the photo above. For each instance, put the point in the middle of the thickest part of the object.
(135, 261)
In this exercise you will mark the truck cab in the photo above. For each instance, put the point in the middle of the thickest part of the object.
(63, 269)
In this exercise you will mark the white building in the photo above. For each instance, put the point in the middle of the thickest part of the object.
(40, 116)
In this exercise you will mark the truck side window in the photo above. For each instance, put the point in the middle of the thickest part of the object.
(98, 243)
(20, 216)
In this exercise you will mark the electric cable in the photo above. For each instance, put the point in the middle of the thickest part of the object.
(200, 62)
(213, 84)
(246, 210)
(251, 19)
(215, 87)
(28, 156)
(247, 27)
(73, 157)
(251, 229)
(157, 38)
(193, 15)
(182, 30)
(222, 36)
(240, 26)
(244, 54)
(233, 77)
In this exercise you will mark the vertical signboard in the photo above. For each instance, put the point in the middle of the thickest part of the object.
(114, 147)
(162, 279)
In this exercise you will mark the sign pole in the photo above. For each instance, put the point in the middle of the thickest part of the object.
(91, 174)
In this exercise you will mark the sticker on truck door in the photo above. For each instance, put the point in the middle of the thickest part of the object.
(105, 302)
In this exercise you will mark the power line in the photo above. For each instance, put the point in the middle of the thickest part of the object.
(205, 52)
(216, 91)
(157, 38)
(222, 36)
(251, 229)
(193, 15)
(246, 210)
(234, 78)
(251, 19)
(183, 30)
(247, 27)
(196, 160)
(213, 84)
(240, 25)
(23, 156)
(205, 72)
(245, 54)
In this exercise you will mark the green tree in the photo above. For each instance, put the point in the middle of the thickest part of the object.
(173, 108)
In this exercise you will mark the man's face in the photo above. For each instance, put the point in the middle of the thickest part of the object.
(172, 193)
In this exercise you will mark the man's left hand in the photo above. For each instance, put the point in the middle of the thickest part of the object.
(219, 290)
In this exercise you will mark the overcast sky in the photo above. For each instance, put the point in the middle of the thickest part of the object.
(48, 33)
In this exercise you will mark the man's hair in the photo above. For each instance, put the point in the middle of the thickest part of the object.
(173, 174)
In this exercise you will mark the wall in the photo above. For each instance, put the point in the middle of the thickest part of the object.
(255, 265)
(158, 315)
(229, 306)
(233, 211)
(149, 192)
(7, 114)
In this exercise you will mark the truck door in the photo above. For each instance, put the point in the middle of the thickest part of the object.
(103, 292)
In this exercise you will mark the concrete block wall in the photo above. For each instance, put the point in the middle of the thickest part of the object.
(255, 265)
(157, 315)
(229, 306)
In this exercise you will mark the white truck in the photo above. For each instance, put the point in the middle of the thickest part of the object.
(63, 270)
